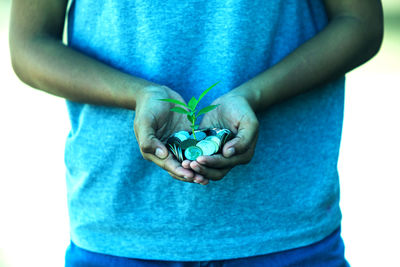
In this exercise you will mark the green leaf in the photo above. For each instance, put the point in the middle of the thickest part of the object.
(207, 109)
(196, 127)
(174, 101)
(179, 110)
(193, 103)
(191, 118)
(206, 91)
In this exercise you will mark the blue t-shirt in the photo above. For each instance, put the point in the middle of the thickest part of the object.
(286, 197)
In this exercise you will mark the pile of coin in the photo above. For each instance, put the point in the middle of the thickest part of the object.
(185, 145)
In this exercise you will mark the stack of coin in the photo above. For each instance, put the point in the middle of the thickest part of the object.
(185, 145)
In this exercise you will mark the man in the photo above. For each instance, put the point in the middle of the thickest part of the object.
(281, 67)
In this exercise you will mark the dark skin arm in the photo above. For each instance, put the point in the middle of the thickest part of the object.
(41, 60)
(353, 36)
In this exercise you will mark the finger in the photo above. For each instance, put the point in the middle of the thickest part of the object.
(170, 165)
(247, 133)
(218, 161)
(198, 178)
(147, 140)
(181, 178)
(205, 182)
(209, 173)
(186, 164)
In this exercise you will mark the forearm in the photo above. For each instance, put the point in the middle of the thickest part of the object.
(46, 64)
(344, 44)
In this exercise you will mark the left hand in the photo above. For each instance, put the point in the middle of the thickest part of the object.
(234, 113)
(154, 123)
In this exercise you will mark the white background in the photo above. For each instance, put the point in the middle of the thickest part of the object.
(34, 125)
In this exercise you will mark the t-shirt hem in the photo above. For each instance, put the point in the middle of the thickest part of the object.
(246, 248)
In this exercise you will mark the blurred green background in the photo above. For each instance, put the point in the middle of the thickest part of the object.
(34, 218)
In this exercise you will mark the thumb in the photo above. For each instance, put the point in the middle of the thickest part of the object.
(148, 142)
(247, 132)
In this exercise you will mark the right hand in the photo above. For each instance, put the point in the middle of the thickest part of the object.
(154, 123)
(236, 114)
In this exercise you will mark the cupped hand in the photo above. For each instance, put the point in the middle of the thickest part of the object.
(154, 123)
(234, 113)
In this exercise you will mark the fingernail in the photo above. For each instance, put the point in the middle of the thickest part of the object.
(230, 152)
(201, 160)
(160, 153)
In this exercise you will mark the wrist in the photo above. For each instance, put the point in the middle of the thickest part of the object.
(251, 94)
(149, 91)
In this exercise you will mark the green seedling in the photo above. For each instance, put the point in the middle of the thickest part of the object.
(190, 109)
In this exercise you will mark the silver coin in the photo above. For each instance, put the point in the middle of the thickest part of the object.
(185, 133)
(193, 152)
(225, 135)
(223, 132)
(215, 145)
(172, 148)
(212, 131)
(214, 139)
(200, 135)
(173, 140)
(208, 147)
(180, 154)
(188, 143)
(182, 137)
